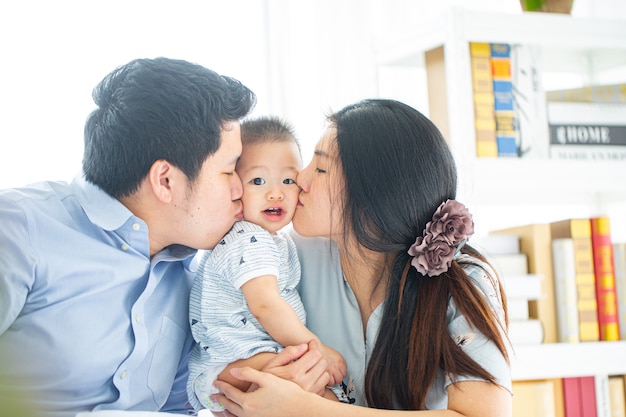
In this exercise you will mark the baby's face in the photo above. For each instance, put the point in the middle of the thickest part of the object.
(268, 172)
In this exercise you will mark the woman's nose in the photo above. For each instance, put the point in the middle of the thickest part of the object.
(303, 179)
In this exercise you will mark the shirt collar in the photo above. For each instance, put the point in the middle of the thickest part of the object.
(102, 209)
(109, 214)
(179, 253)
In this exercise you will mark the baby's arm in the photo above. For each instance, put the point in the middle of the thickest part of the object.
(283, 324)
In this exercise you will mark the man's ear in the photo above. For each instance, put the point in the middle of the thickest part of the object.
(160, 179)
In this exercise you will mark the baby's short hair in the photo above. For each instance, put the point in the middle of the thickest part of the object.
(266, 129)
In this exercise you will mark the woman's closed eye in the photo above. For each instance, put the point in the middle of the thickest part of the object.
(320, 170)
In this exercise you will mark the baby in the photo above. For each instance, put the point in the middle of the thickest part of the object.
(244, 299)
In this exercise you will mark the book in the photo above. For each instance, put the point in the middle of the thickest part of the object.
(436, 85)
(536, 242)
(534, 399)
(606, 293)
(579, 395)
(559, 402)
(520, 288)
(503, 253)
(529, 99)
(588, 396)
(510, 115)
(600, 384)
(517, 308)
(566, 297)
(511, 264)
(587, 131)
(526, 287)
(612, 93)
(619, 258)
(580, 231)
(518, 283)
(617, 398)
(571, 395)
(525, 332)
(482, 93)
(496, 244)
(504, 109)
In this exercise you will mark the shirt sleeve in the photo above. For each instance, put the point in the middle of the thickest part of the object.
(474, 343)
(17, 262)
(250, 254)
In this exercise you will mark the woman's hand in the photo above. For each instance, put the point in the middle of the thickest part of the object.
(292, 372)
(274, 397)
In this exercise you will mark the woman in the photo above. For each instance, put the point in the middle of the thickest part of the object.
(389, 282)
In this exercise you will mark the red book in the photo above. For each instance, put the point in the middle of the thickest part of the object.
(588, 396)
(571, 397)
(579, 396)
(604, 270)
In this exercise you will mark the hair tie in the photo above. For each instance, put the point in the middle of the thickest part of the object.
(442, 239)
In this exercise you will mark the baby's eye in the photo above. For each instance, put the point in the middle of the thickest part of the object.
(289, 181)
(258, 181)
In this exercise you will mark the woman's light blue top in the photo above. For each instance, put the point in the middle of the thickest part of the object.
(333, 314)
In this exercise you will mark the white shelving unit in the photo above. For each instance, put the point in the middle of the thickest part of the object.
(558, 360)
(586, 47)
(599, 360)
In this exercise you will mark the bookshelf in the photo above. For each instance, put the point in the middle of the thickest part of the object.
(547, 361)
(586, 48)
(558, 360)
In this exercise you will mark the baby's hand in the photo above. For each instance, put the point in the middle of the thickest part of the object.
(337, 368)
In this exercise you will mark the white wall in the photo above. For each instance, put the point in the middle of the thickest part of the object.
(320, 53)
(54, 53)
(303, 58)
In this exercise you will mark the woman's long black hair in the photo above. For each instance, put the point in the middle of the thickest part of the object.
(398, 169)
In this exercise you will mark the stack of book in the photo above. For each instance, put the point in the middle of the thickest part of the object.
(520, 286)
(585, 301)
(588, 123)
(509, 103)
(570, 397)
(514, 117)
(577, 257)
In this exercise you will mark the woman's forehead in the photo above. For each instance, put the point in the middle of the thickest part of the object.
(328, 143)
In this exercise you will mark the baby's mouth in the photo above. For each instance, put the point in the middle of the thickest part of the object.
(274, 211)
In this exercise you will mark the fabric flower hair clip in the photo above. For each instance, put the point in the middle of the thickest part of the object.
(442, 239)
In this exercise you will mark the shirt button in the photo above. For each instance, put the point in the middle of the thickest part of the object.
(123, 375)
(124, 247)
(137, 318)
(136, 226)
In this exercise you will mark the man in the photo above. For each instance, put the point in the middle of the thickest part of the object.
(95, 275)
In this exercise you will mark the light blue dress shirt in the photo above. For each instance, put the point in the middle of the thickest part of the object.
(334, 316)
(87, 319)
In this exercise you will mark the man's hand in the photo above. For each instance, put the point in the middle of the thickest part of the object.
(303, 365)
